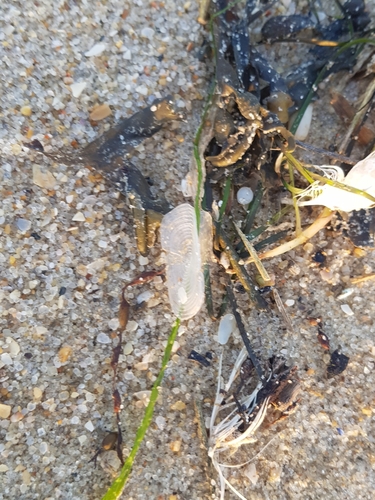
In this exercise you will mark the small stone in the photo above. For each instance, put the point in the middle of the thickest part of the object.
(251, 473)
(14, 348)
(26, 477)
(79, 217)
(41, 330)
(290, 302)
(37, 393)
(113, 324)
(347, 309)
(100, 112)
(141, 366)
(96, 50)
(143, 261)
(77, 88)
(23, 225)
(82, 439)
(275, 473)
(17, 417)
(175, 446)
(65, 353)
(33, 284)
(4, 468)
(103, 338)
(127, 349)
(131, 326)
(102, 244)
(5, 410)
(367, 412)
(178, 406)
(26, 111)
(43, 447)
(160, 422)
(5, 359)
(43, 179)
(89, 426)
(147, 33)
(14, 296)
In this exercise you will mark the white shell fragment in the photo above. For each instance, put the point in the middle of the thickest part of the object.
(226, 328)
(361, 176)
(304, 127)
(77, 88)
(245, 195)
(185, 253)
(96, 50)
(347, 309)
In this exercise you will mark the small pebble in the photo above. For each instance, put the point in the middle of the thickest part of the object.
(82, 439)
(5, 410)
(127, 349)
(17, 417)
(89, 426)
(26, 111)
(148, 33)
(6, 359)
(96, 50)
(100, 112)
(245, 195)
(103, 338)
(290, 302)
(79, 217)
(143, 261)
(23, 225)
(43, 179)
(65, 353)
(14, 347)
(178, 405)
(347, 309)
(160, 422)
(77, 88)
(4, 468)
(37, 393)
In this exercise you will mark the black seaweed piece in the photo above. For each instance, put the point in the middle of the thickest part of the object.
(125, 136)
(243, 333)
(337, 364)
(283, 27)
(195, 356)
(361, 228)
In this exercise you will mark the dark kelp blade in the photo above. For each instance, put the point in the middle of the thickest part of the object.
(125, 136)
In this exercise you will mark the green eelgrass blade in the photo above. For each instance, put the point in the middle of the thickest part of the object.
(197, 201)
(117, 487)
(253, 208)
(271, 239)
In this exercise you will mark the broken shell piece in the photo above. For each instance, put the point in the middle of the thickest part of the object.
(183, 248)
(304, 127)
(361, 176)
(226, 327)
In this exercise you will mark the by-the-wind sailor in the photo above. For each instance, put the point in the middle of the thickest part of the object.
(186, 251)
